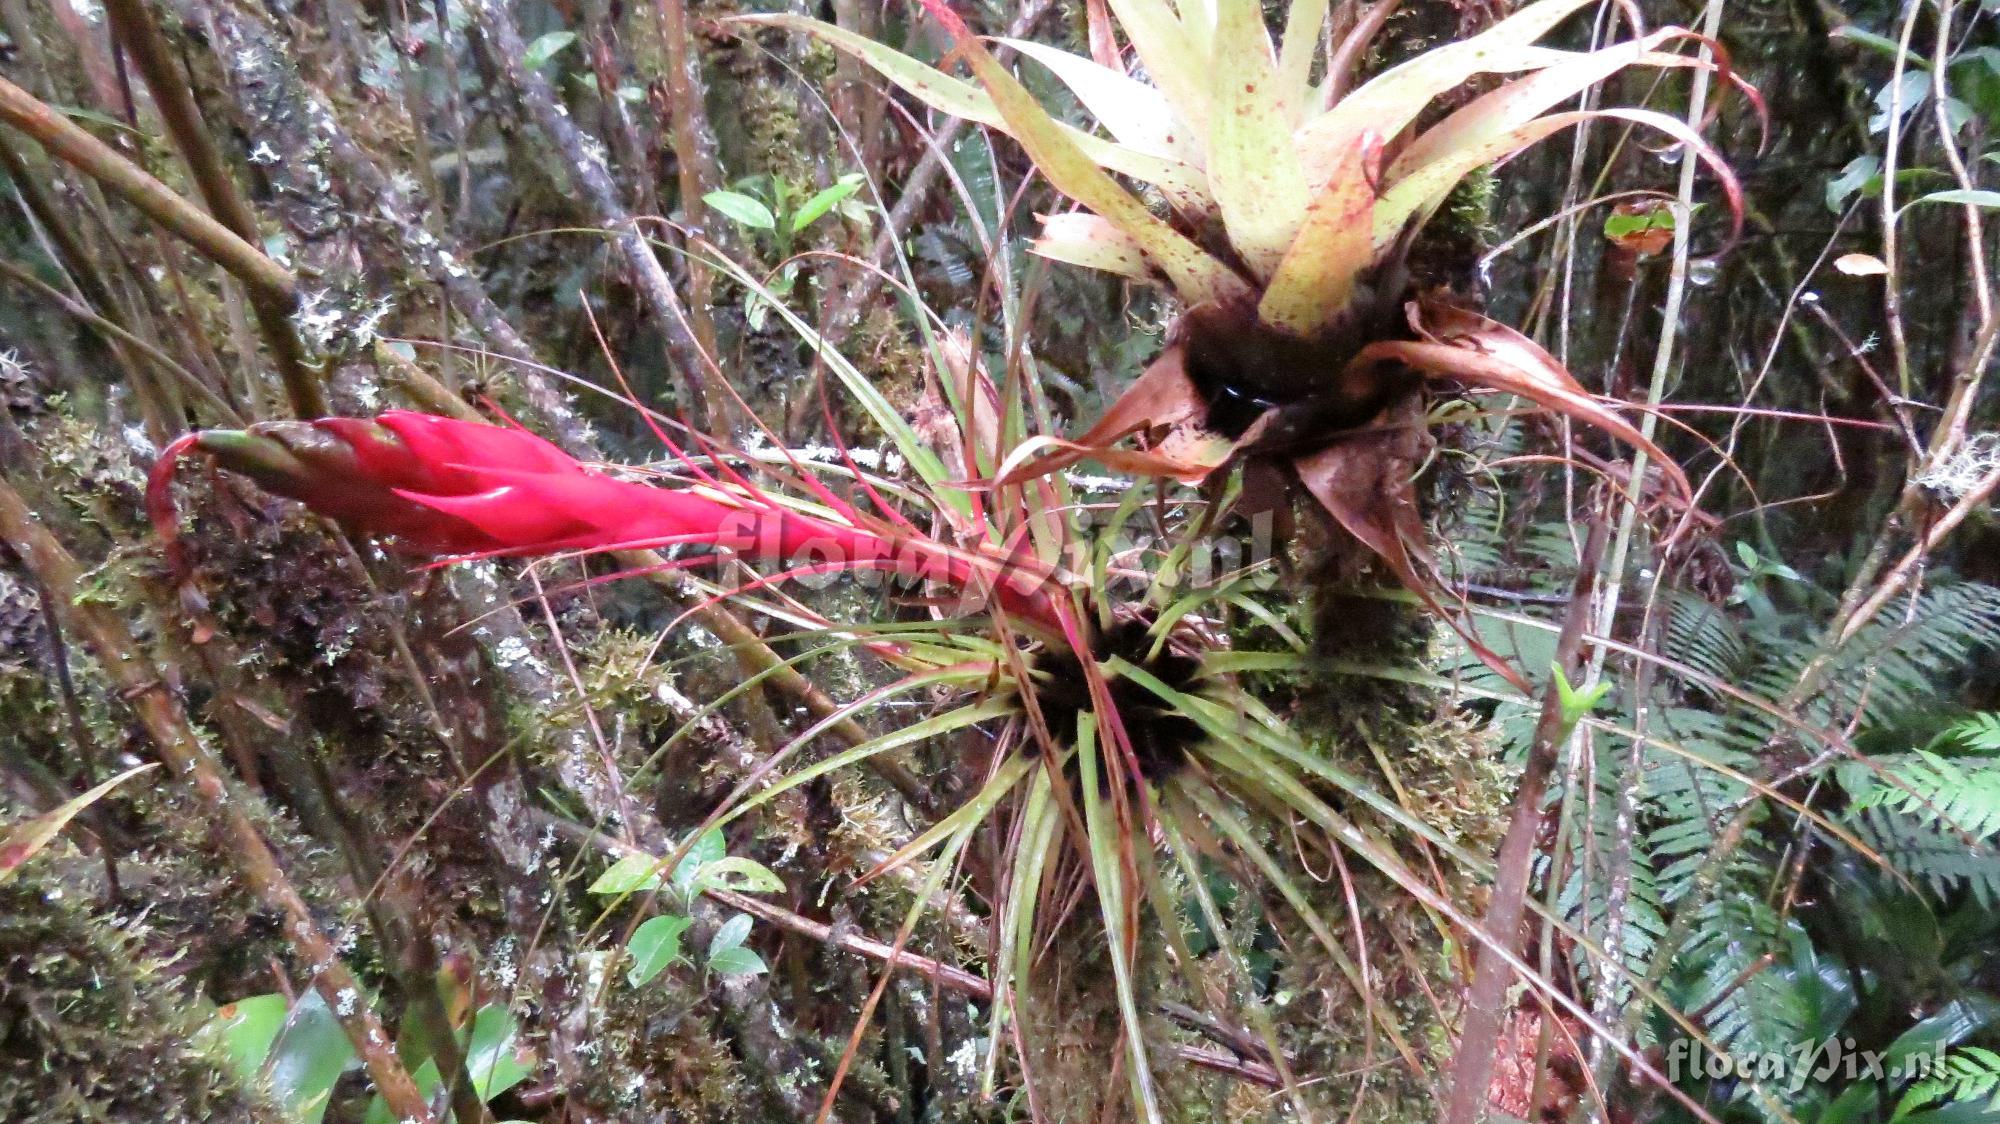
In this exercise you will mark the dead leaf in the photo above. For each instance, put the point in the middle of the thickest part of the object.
(27, 839)
(1474, 349)
(1367, 482)
(1163, 397)
(1861, 265)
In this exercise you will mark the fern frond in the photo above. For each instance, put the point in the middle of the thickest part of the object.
(1970, 1074)
(1960, 796)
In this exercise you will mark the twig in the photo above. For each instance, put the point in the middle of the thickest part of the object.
(938, 972)
(301, 127)
(1892, 296)
(1486, 1000)
(65, 246)
(584, 161)
(139, 30)
(1975, 231)
(118, 335)
(1899, 576)
(687, 123)
(167, 726)
(73, 146)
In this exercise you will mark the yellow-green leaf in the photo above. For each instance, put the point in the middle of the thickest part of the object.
(1174, 53)
(1138, 115)
(1253, 170)
(1316, 278)
(1518, 102)
(1196, 276)
(1303, 24)
(1178, 180)
(1389, 102)
(1083, 239)
(1423, 188)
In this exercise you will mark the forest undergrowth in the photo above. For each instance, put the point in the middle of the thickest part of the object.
(1102, 560)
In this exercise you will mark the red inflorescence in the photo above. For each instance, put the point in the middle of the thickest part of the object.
(440, 486)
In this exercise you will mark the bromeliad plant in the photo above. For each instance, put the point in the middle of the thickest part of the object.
(1280, 211)
(1111, 724)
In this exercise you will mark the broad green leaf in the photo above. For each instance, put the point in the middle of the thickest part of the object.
(737, 962)
(491, 1059)
(629, 874)
(744, 209)
(310, 1053)
(1388, 103)
(1952, 1024)
(637, 872)
(1083, 239)
(1253, 170)
(24, 840)
(726, 954)
(825, 200)
(654, 945)
(1966, 198)
(1857, 175)
(1619, 226)
(245, 1029)
(492, 1063)
(734, 872)
(1904, 98)
(543, 48)
(708, 849)
(730, 934)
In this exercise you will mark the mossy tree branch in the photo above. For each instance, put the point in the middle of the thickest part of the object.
(174, 739)
(69, 143)
(138, 29)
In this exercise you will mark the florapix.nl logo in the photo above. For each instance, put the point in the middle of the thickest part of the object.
(1821, 1061)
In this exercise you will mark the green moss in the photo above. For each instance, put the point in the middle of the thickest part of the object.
(91, 1026)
